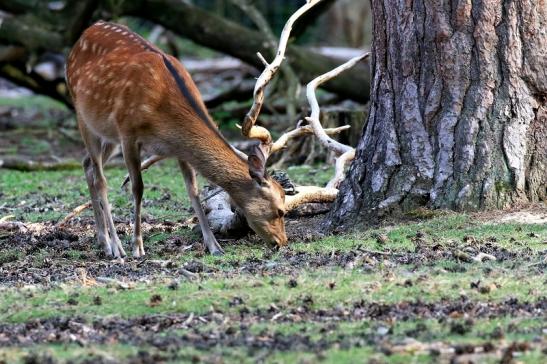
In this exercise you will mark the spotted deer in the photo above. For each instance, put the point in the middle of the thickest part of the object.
(128, 92)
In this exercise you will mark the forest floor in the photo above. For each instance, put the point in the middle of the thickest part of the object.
(436, 287)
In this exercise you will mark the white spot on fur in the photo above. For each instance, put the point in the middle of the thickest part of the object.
(145, 108)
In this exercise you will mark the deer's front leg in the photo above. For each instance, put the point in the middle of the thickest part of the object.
(192, 188)
(132, 159)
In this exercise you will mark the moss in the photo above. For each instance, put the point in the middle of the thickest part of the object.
(503, 187)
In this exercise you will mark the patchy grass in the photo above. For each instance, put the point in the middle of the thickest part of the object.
(409, 292)
(42, 103)
(308, 175)
(320, 289)
(45, 196)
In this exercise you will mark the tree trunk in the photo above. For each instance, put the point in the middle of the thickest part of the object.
(458, 115)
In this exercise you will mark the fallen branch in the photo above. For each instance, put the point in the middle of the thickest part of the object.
(483, 256)
(145, 165)
(115, 283)
(305, 194)
(228, 37)
(77, 211)
(344, 152)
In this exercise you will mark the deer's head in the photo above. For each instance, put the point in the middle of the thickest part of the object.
(264, 203)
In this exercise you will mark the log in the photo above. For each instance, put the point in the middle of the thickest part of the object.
(238, 41)
(223, 220)
(39, 28)
(25, 31)
(25, 165)
(310, 209)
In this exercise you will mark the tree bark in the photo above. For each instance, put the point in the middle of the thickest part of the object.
(458, 115)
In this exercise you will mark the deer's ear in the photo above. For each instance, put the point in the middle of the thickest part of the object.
(257, 164)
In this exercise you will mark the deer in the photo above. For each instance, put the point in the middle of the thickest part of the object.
(129, 93)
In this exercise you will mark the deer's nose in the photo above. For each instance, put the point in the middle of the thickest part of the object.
(281, 240)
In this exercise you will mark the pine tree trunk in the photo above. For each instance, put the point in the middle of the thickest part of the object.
(458, 115)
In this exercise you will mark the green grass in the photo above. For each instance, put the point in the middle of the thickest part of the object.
(35, 101)
(386, 286)
(60, 191)
(293, 282)
(308, 175)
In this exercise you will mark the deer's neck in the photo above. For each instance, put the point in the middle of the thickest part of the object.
(215, 160)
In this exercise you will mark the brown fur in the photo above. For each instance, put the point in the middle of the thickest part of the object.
(125, 94)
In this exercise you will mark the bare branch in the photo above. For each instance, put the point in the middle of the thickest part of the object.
(77, 211)
(339, 168)
(307, 194)
(301, 131)
(266, 76)
(313, 119)
(344, 152)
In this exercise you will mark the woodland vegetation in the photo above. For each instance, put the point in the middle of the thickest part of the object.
(417, 223)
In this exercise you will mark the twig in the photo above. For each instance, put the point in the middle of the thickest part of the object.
(6, 218)
(115, 282)
(77, 211)
(188, 275)
(377, 252)
(188, 321)
(265, 77)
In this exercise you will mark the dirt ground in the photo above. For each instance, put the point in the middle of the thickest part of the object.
(434, 287)
(232, 327)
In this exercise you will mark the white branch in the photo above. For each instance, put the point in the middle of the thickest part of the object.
(300, 131)
(268, 73)
(313, 119)
(307, 194)
(339, 172)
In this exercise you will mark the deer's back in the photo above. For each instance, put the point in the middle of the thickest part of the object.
(123, 85)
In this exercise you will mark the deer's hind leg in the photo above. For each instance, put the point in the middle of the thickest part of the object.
(98, 152)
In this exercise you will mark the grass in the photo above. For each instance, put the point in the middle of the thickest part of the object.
(330, 299)
(326, 288)
(37, 196)
(37, 102)
(384, 286)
